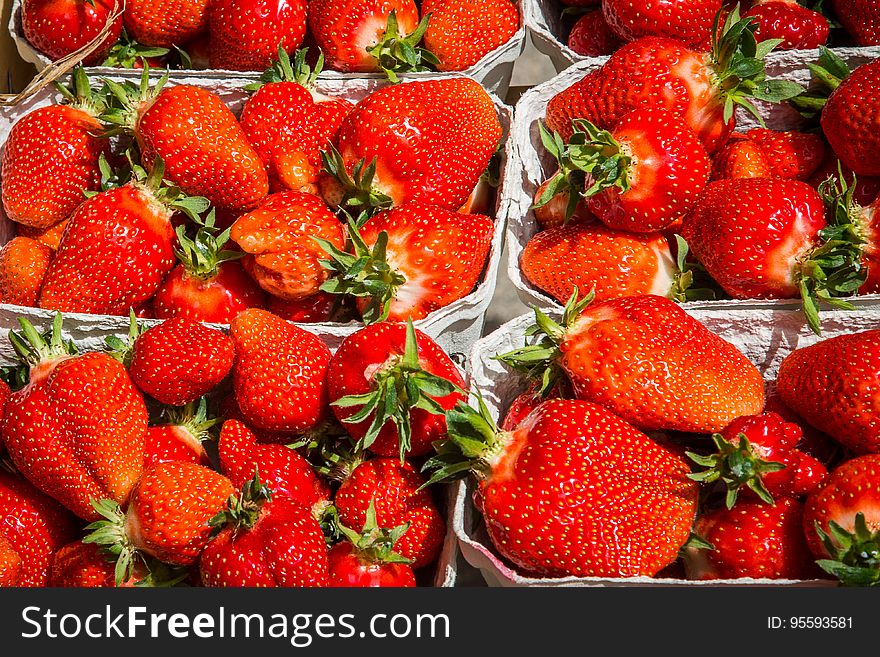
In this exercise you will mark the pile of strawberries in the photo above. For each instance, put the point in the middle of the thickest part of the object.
(255, 458)
(600, 27)
(358, 36)
(656, 193)
(157, 197)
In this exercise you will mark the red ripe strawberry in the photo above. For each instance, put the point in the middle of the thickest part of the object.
(842, 522)
(759, 452)
(246, 34)
(281, 235)
(557, 210)
(591, 36)
(813, 442)
(861, 18)
(460, 33)
(60, 27)
(394, 490)
(753, 539)
(181, 438)
(279, 373)
(740, 158)
(391, 385)
(797, 26)
(180, 360)
(51, 236)
(208, 285)
(319, 307)
(85, 565)
(829, 384)
(33, 526)
(611, 263)
(10, 564)
(165, 24)
(117, 248)
(410, 261)
(76, 430)
(367, 559)
(431, 140)
(847, 120)
(646, 360)
(288, 123)
(790, 154)
(523, 405)
(167, 517)
(689, 21)
(281, 468)
(23, 265)
(866, 189)
(51, 156)
(574, 490)
(662, 72)
(265, 541)
(5, 394)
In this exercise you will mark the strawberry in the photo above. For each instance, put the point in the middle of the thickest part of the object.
(395, 490)
(829, 384)
(10, 564)
(797, 26)
(129, 53)
(164, 24)
(5, 394)
(367, 559)
(281, 468)
(279, 373)
(179, 360)
(86, 565)
(288, 123)
(51, 155)
(390, 385)
(58, 28)
(281, 237)
(790, 154)
(76, 430)
(551, 490)
(759, 452)
(207, 285)
(557, 211)
(646, 360)
(246, 34)
(204, 149)
(319, 307)
(753, 539)
(181, 438)
(861, 18)
(461, 33)
(51, 236)
(866, 189)
(450, 132)
(117, 247)
(848, 117)
(264, 541)
(591, 36)
(167, 517)
(663, 72)
(688, 21)
(740, 157)
(813, 442)
(33, 526)
(523, 405)
(842, 522)
(409, 261)
(23, 265)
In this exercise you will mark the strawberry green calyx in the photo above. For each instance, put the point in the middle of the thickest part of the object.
(375, 544)
(399, 386)
(738, 61)
(337, 459)
(365, 273)
(81, 95)
(194, 419)
(397, 53)
(283, 70)
(35, 349)
(735, 465)
(127, 52)
(119, 349)
(855, 556)
(827, 73)
(166, 192)
(243, 511)
(202, 254)
(358, 196)
(126, 99)
(110, 533)
(687, 275)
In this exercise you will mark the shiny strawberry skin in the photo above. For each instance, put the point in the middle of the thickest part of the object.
(180, 360)
(552, 214)
(245, 34)
(432, 139)
(797, 26)
(848, 119)
(84, 565)
(591, 36)
(830, 383)
(168, 442)
(165, 24)
(59, 27)
(115, 251)
(689, 21)
(347, 569)
(280, 468)
(440, 253)
(394, 489)
(279, 373)
(50, 157)
(614, 263)
(316, 308)
(461, 33)
(790, 154)
(51, 236)
(76, 431)
(866, 188)
(521, 407)
(861, 18)
(170, 507)
(370, 350)
(217, 299)
(34, 525)
(568, 473)
(10, 564)
(740, 157)
(204, 149)
(279, 234)
(23, 266)
(749, 234)
(656, 367)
